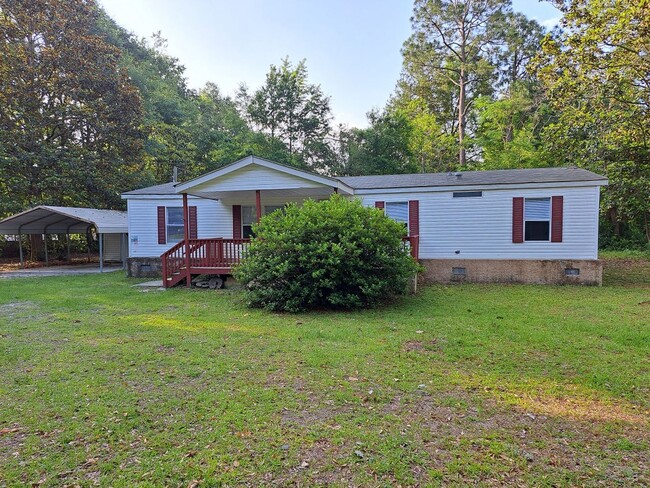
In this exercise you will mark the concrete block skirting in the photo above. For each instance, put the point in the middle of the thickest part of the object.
(144, 267)
(550, 272)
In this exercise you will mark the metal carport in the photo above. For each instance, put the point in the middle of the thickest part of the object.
(46, 219)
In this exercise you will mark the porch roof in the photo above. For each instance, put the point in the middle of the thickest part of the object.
(253, 173)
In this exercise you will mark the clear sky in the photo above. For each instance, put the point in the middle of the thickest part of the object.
(352, 47)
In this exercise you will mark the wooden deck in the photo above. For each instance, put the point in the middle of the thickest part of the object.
(205, 257)
(218, 256)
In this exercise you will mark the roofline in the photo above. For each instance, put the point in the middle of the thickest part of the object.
(55, 209)
(487, 186)
(248, 160)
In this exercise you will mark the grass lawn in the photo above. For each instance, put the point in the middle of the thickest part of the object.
(523, 385)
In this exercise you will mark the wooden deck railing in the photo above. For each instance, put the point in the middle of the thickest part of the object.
(206, 256)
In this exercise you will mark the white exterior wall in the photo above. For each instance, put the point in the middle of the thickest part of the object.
(214, 219)
(113, 247)
(481, 227)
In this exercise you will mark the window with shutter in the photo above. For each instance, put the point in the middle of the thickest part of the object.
(537, 219)
(175, 226)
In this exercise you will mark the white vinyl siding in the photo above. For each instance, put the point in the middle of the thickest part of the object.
(214, 219)
(256, 177)
(481, 228)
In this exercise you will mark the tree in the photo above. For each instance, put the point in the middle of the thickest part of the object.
(69, 116)
(382, 148)
(447, 59)
(597, 76)
(290, 109)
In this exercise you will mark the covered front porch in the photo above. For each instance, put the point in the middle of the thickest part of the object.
(250, 189)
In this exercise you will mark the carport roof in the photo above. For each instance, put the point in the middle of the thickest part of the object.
(47, 219)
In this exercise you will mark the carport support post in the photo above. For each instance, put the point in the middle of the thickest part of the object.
(47, 261)
(67, 240)
(20, 250)
(101, 252)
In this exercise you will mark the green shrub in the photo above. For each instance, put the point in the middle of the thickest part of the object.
(330, 254)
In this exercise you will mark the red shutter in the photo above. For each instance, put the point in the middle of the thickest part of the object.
(379, 204)
(557, 218)
(193, 223)
(414, 217)
(162, 227)
(518, 220)
(236, 221)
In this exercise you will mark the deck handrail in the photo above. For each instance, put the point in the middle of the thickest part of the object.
(216, 253)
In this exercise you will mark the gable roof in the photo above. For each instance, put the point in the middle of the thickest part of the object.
(470, 178)
(64, 220)
(254, 160)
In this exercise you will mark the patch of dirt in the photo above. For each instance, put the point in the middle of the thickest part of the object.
(426, 347)
(309, 417)
(13, 309)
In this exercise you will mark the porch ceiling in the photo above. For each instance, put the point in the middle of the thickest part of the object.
(287, 194)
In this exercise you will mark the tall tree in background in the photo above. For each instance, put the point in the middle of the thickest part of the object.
(596, 72)
(447, 59)
(289, 108)
(69, 116)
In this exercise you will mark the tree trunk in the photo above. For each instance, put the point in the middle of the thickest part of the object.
(461, 119)
(462, 81)
(613, 218)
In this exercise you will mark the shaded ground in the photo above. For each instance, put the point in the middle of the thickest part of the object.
(469, 384)
(60, 270)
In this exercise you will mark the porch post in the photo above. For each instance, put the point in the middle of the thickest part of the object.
(258, 204)
(186, 234)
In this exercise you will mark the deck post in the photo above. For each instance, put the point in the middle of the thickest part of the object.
(20, 250)
(100, 237)
(258, 204)
(186, 234)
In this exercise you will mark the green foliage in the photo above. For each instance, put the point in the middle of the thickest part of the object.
(382, 148)
(595, 72)
(69, 115)
(330, 254)
(289, 108)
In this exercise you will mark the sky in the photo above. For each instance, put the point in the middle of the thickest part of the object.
(351, 47)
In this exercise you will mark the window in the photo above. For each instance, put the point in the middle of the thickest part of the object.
(248, 218)
(398, 211)
(272, 208)
(537, 219)
(467, 194)
(175, 229)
